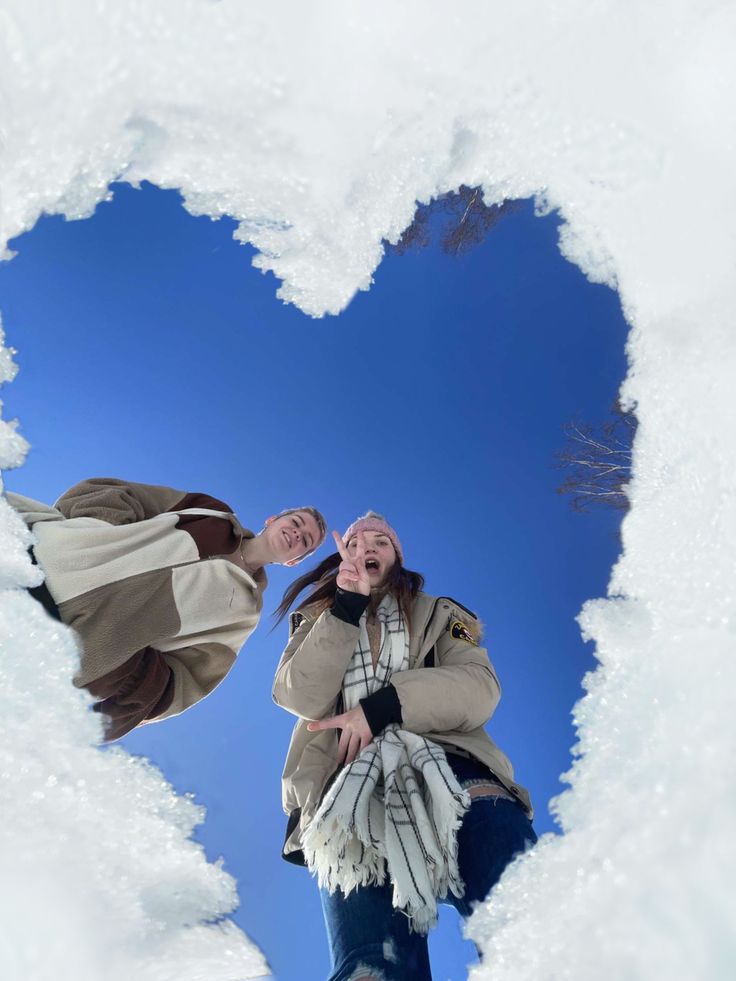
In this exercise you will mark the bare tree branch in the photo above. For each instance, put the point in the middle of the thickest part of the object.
(465, 221)
(598, 461)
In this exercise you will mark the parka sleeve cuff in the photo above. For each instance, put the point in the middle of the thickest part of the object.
(349, 607)
(381, 709)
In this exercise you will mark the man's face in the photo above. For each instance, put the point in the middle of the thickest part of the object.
(291, 536)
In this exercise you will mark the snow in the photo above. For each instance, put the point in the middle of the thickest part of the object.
(317, 126)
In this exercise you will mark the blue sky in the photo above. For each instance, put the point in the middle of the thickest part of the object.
(150, 350)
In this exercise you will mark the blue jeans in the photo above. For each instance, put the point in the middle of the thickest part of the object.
(370, 939)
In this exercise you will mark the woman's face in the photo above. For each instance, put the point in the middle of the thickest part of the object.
(380, 557)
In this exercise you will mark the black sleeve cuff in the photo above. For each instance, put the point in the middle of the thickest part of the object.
(349, 606)
(381, 709)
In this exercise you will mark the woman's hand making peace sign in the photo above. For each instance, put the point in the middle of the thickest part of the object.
(351, 576)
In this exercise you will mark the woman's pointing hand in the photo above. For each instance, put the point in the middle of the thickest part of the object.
(355, 735)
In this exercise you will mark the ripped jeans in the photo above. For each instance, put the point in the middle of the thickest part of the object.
(369, 939)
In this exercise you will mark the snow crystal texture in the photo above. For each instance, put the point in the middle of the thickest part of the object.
(317, 126)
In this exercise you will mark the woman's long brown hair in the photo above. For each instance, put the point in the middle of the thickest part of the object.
(403, 583)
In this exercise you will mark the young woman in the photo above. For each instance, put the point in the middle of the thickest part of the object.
(396, 795)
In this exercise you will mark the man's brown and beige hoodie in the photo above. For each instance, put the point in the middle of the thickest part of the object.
(142, 574)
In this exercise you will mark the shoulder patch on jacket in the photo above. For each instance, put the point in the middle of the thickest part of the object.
(461, 607)
(460, 632)
(296, 620)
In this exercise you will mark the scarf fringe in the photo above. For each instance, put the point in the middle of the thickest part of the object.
(442, 872)
(340, 859)
(340, 851)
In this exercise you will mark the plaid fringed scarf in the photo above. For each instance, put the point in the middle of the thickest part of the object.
(395, 808)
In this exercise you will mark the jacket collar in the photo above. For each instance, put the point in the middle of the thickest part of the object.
(428, 619)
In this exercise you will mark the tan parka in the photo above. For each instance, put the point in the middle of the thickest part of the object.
(449, 701)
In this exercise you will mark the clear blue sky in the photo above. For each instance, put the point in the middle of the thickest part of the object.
(150, 350)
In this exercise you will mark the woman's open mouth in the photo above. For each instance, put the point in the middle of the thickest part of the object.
(372, 566)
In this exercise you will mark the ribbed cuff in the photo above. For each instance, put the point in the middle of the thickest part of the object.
(348, 606)
(381, 709)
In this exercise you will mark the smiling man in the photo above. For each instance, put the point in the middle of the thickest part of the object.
(162, 587)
